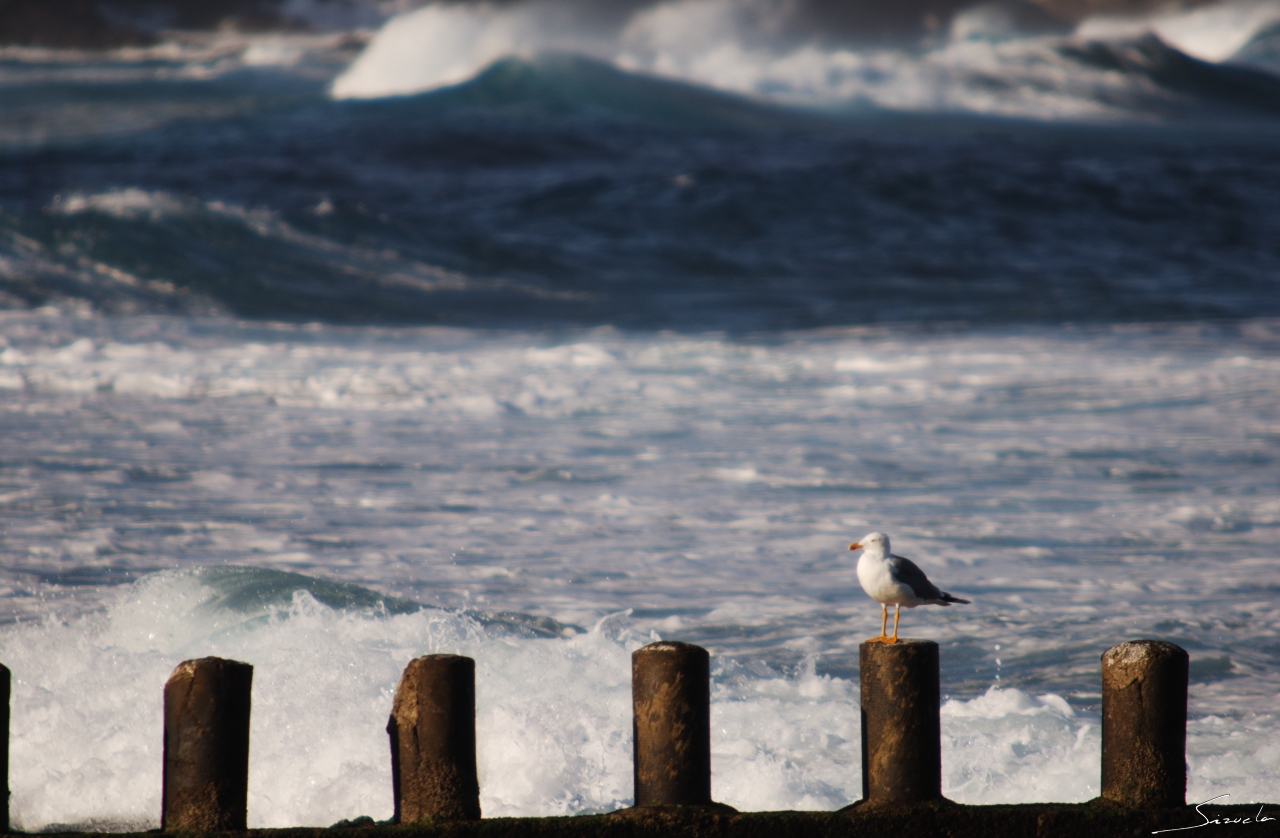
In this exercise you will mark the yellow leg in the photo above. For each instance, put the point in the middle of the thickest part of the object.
(897, 612)
(884, 623)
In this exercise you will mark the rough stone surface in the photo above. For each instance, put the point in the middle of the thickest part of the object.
(671, 703)
(1144, 724)
(940, 819)
(206, 746)
(4, 745)
(433, 741)
(901, 728)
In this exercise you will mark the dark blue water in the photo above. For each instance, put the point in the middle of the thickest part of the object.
(561, 192)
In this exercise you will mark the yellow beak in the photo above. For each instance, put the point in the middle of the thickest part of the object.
(855, 546)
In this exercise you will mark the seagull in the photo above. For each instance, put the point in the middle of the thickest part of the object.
(894, 580)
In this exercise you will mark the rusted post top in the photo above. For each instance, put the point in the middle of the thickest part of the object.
(911, 645)
(206, 746)
(433, 741)
(1144, 724)
(671, 724)
(901, 725)
(1133, 660)
(669, 646)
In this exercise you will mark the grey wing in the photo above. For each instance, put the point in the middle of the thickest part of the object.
(909, 573)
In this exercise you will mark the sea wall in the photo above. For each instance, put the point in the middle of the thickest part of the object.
(432, 743)
(1032, 820)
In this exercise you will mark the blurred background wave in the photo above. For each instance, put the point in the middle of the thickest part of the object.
(728, 164)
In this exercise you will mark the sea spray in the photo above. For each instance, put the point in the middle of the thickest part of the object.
(86, 740)
(552, 716)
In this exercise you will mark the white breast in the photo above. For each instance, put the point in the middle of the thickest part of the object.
(877, 580)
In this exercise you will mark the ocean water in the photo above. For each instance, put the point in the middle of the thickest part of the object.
(565, 334)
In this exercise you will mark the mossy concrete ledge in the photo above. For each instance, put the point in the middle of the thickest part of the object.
(942, 819)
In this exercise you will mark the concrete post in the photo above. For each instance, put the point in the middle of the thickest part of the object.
(671, 704)
(1144, 724)
(433, 741)
(5, 682)
(206, 746)
(901, 730)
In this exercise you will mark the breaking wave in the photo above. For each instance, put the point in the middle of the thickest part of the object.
(985, 62)
(553, 712)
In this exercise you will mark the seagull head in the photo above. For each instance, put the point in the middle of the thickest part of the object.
(876, 542)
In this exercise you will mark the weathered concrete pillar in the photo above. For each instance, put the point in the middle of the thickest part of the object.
(1144, 724)
(671, 719)
(5, 682)
(206, 746)
(901, 731)
(433, 741)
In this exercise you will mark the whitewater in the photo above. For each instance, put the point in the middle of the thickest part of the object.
(292, 496)
(983, 62)
(535, 335)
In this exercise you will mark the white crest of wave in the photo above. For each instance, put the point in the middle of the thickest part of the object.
(1213, 32)
(444, 44)
(735, 46)
(725, 45)
(130, 202)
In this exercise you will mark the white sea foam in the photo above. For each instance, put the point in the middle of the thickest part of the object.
(122, 203)
(552, 715)
(1006, 745)
(87, 720)
(1081, 486)
(552, 719)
